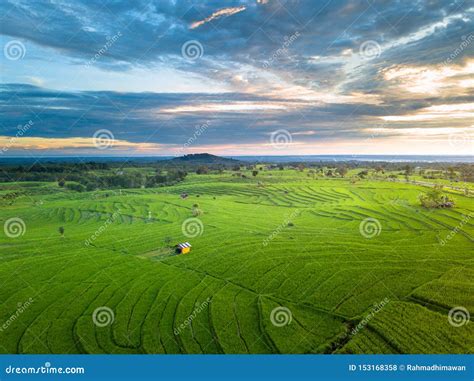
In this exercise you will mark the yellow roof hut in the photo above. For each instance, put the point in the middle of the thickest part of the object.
(183, 248)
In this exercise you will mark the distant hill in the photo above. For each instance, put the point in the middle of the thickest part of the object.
(204, 158)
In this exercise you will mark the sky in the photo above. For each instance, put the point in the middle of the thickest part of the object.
(260, 77)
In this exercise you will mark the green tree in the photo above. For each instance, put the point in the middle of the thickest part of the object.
(408, 171)
(196, 210)
(341, 171)
(202, 170)
(435, 198)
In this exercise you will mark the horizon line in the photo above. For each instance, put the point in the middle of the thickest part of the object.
(223, 155)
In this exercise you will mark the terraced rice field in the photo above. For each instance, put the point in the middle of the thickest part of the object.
(287, 265)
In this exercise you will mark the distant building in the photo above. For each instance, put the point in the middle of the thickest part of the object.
(183, 248)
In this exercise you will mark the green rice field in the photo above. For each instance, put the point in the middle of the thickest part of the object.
(280, 263)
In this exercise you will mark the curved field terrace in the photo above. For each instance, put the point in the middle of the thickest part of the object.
(279, 263)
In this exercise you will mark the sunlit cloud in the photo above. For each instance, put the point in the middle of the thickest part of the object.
(225, 12)
(304, 133)
(431, 79)
(226, 107)
(254, 80)
(289, 99)
(40, 143)
(35, 80)
(421, 131)
(314, 97)
(447, 112)
(428, 30)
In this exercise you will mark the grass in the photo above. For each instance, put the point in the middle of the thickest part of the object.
(281, 239)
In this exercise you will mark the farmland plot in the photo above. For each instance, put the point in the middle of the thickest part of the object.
(295, 265)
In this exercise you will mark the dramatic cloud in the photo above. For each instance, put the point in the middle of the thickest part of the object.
(435, 79)
(218, 14)
(444, 112)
